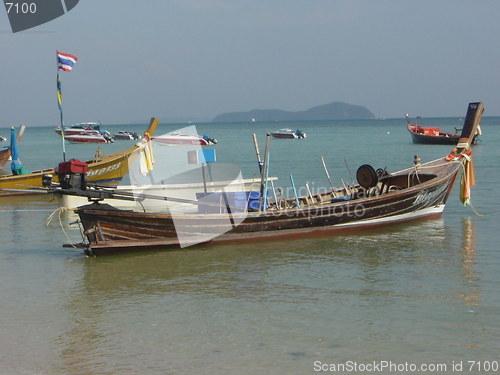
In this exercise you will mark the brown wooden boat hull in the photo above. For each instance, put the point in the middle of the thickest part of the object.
(109, 229)
(412, 194)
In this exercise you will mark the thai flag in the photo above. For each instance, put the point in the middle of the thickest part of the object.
(65, 61)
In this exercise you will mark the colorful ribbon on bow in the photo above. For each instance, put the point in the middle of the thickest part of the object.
(467, 180)
(147, 160)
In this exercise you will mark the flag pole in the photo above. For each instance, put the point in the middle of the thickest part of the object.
(62, 121)
(59, 102)
(65, 61)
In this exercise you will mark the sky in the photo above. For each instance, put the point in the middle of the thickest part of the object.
(201, 58)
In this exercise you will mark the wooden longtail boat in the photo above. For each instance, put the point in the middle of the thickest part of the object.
(106, 170)
(434, 135)
(4, 156)
(378, 199)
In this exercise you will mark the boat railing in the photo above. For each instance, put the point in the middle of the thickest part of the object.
(387, 184)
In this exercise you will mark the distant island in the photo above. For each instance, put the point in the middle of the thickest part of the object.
(177, 120)
(332, 111)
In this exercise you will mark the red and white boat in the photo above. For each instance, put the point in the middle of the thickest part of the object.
(178, 139)
(85, 137)
(87, 127)
(289, 134)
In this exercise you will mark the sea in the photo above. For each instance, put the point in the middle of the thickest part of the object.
(408, 298)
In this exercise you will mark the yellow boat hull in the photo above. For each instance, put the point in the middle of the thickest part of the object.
(106, 170)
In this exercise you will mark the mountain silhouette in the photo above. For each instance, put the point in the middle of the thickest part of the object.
(331, 111)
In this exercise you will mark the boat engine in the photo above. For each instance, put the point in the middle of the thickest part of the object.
(300, 134)
(209, 140)
(72, 174)
(368, 177)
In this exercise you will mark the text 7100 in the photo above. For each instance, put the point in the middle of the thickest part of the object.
(21, 7)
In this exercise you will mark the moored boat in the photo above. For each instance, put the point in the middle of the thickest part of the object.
(289, 134)
(179, 139)
(377, 199)
(434, 135)
(124, 135)
(84, 137)
(105, 170)
(87, 127)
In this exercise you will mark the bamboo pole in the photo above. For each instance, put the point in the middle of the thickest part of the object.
(20, 133)
(257, 152)
(328, 176)
(310, 195)
(263, 181)
(274, 192)
(249, 194)
(295, 192)
(264, 205)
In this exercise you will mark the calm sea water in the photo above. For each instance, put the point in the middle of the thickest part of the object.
(420, 296)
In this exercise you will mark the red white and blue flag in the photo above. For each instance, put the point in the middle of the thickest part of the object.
(65, 61)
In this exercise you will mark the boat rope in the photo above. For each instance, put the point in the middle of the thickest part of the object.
(464, 170)
(463, 167)
(59, 210)
(17, 210)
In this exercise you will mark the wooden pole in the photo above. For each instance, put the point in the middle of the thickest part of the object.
(20, 133)
(153, 123)
(310, 195)
(295, 192)
(263, 180)
(257, 152)
(349, 170)
(348, 192)
(328, 176)
(59, 95)
(249, 194)
(264, 204)
(274, 192)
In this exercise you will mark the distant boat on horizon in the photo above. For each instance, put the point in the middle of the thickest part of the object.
(289, 134)
(434, 135)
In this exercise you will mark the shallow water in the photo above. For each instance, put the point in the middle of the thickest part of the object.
(425, 293)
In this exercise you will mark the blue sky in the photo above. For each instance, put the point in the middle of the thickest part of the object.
(200, 58)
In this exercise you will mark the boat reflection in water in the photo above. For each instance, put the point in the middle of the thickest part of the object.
(471, 297)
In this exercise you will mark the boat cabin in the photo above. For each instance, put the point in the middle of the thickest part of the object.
(427, 130)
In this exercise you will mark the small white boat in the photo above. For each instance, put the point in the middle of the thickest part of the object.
(178, 139)
(87, 127)
(127, 135)
(2, 138)
(84, 137)
(289, 134)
